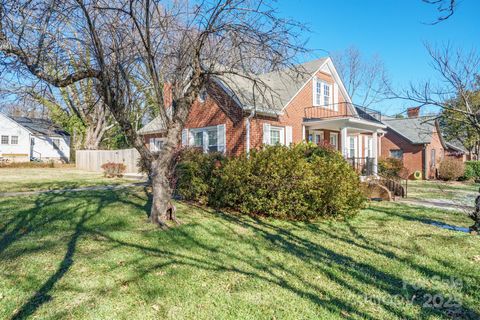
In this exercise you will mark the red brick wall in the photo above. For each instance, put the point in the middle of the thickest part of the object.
(221, 109)
(412, 154)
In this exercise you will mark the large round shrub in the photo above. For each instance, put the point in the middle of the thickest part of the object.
(303, 182)
(451, 169)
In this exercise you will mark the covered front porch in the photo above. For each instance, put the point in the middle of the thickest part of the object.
(356, 138)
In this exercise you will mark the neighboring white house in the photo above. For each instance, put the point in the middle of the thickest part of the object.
(24, 139)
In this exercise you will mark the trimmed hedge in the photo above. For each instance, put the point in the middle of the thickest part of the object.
(303, 182)
(472, 170)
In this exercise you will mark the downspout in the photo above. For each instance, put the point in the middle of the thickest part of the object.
(247, 125)
(424, 167)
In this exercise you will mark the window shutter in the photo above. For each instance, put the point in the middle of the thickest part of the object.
(184, 137)
(288, 135)
(266, 133)
(335, 96)
(314, 91)
(191, 140)
(205, 141)
(221, 138)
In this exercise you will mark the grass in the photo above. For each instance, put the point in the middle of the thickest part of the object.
(27, 179)
(462, 193)
(92, 255)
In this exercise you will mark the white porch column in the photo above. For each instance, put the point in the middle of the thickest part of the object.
(303, 133)
(375, 153)
(343, 138)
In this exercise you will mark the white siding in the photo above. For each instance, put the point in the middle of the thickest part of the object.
(43, 148)
(10, 128)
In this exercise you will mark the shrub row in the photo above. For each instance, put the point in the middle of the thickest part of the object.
(472, 170)
(299, 183)
(31, 164)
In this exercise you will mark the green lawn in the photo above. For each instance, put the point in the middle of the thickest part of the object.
(455, 192)
(27, 179)
(92, 255)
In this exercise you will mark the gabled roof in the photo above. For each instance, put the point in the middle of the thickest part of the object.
(416, 130)
(276, 89)
(456, 145)
(40, 126)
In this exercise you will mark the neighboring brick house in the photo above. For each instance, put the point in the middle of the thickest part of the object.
(232, 116)
(418, 142)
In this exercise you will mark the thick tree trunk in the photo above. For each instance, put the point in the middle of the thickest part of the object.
(163, 209)
(162, 206)
(92, 141)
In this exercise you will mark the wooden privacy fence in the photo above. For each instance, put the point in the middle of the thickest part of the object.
(92, 160)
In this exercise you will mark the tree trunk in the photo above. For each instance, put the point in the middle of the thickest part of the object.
(162, 207)
(92, 139)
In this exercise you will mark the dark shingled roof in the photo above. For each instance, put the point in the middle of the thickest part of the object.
(416, 130)
(40, 126)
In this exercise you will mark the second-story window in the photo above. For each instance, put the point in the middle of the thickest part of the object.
(4, 139)
(326, 94)
(318, 93)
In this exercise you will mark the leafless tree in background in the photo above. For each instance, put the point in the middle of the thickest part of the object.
(365, 79)
(455, 90)
(179, 45)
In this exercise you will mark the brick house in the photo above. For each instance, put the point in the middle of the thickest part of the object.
(418, 142)
(231, 116)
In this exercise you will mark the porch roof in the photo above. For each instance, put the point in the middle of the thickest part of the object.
(357, 124)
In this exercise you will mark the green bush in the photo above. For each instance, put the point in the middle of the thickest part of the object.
(301, 183)
(451, 169)
(193, 174)
(390, 167)
(472, 170)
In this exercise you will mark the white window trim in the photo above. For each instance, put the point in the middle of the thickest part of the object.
(281, 133)
(329, 105)
(153, 145)
(204, 131)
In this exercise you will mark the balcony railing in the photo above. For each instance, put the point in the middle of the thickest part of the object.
(345, 109)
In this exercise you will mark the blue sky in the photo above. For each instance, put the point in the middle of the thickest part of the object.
(393, 29)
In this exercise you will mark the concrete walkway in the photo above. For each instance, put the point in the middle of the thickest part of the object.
(93, 188)
(437, 204)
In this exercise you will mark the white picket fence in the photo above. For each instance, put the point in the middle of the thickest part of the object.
(92, 160)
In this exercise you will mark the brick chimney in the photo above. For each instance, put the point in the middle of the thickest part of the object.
(413, 112)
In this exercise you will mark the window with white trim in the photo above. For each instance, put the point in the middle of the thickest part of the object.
(156, 144)
(334, 139)
(326, 94)
(14, 139)
(198, 139)
(4, 139)
(318, 93)
(352, 147)
(209, 139)
(275, 134)
(212, 140)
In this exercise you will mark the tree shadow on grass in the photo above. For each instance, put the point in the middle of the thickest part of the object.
(294, 241)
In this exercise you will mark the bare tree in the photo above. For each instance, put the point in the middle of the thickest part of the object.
(455, 91)
(176, 47)
(445, 8)
(365, 79)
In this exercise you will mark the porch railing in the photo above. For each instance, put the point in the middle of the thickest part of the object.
(363, 166)
(344, 109)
